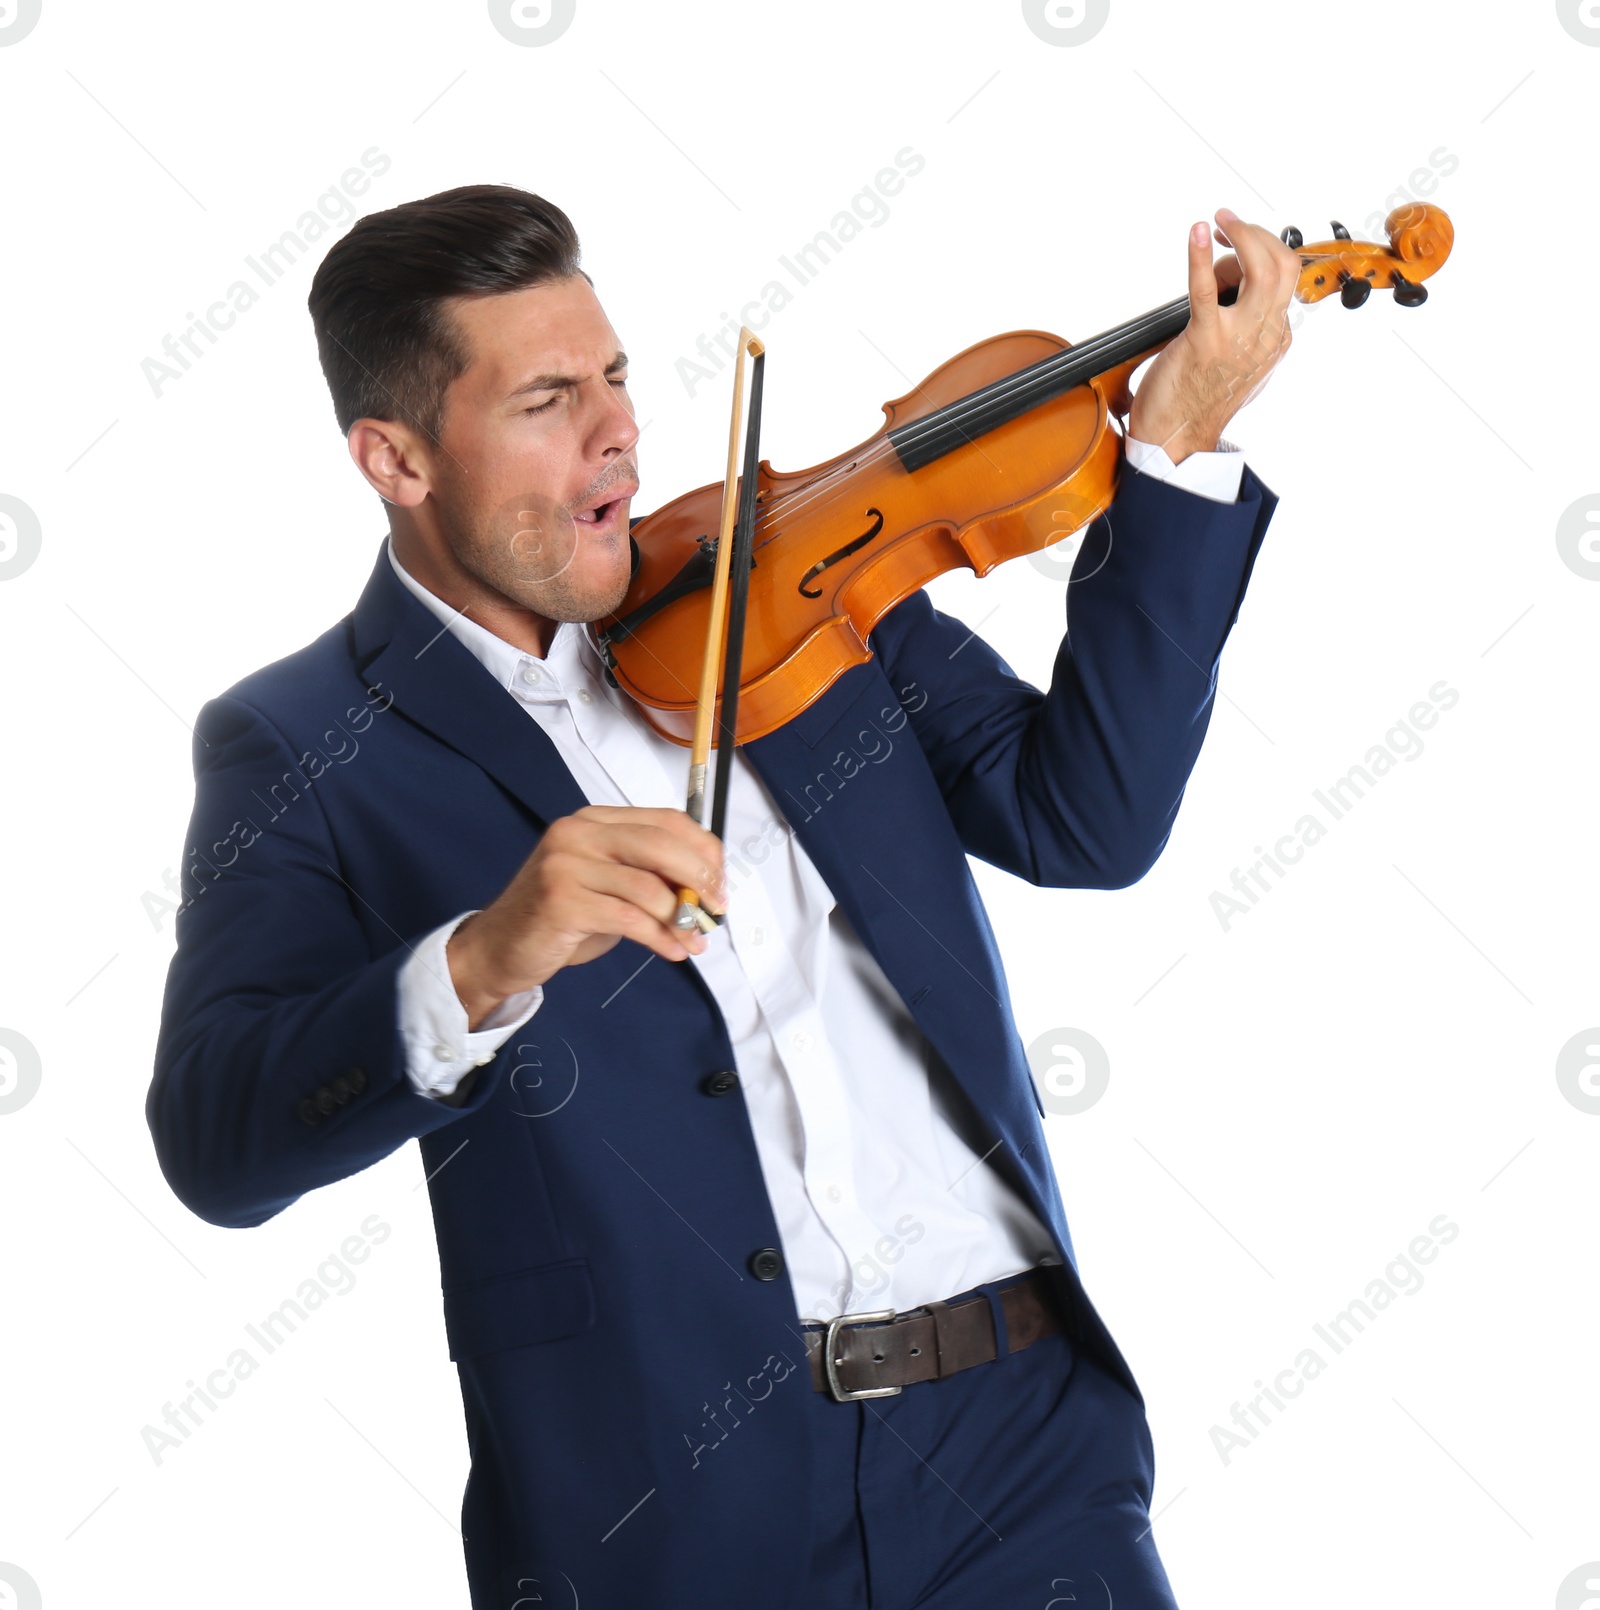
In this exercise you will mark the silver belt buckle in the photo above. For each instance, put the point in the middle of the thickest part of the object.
(830, 1362)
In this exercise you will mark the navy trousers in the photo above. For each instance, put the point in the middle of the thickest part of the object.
(1022, 1482)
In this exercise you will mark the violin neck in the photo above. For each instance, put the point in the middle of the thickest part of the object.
(923, 440)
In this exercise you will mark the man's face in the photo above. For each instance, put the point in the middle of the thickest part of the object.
(535, 468)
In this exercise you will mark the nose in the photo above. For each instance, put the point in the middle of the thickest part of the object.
(615, 430)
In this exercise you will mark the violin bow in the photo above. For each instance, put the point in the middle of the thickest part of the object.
(730, 586)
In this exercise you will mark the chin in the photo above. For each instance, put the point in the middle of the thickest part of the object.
(594, 596)
(610, 602)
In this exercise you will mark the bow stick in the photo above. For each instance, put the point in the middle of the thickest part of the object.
(735, 539)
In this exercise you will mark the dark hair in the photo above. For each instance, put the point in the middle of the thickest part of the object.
(388, 347)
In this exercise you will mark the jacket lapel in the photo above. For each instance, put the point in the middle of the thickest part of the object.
(402, 650)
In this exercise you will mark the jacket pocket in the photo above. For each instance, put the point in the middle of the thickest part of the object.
(519, 1309)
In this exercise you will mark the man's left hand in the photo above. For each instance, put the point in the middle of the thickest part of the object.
(1206, 374)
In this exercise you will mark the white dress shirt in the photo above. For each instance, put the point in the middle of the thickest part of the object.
(881, 1199)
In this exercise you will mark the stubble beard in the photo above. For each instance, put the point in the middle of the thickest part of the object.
(533, 552)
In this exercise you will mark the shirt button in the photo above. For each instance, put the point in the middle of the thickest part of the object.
(443, 1052)
(531, 674)
(801, 1041)
(758, 936)
(583, 696)
(835, 1194)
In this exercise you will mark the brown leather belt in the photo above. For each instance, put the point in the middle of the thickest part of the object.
(875, 1354)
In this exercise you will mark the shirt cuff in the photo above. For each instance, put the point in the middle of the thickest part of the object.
(1210, 475)
(433, 1023)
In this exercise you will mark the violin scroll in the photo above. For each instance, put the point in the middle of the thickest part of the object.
(1420, 238)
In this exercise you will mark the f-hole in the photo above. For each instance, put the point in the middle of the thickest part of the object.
(840, 553)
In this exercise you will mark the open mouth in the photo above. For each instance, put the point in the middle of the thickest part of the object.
(599, 514)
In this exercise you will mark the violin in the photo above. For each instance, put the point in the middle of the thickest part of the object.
(1002, 451)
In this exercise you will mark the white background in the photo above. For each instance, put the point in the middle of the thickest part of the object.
(1292, 1099)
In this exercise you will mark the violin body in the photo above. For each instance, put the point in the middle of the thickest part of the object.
(848, 539)
(1002, 451)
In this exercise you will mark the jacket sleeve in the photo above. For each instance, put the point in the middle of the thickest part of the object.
(280, 1064)
(1079, 787)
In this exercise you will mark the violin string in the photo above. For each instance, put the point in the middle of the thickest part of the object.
(999, 390)
(1090, 351)
(1070, 357)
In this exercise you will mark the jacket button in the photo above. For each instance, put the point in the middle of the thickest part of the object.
(358, 1079)
(766, 1264)
(308, 1111)
(325, 1101)
(341, 1089)
(720, 1082)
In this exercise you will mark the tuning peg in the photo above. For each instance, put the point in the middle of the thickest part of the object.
(1408, 294)
(1292, 238)
(1339, 231)
(1354, 290)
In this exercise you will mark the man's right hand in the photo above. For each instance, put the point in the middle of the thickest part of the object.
(605, 873)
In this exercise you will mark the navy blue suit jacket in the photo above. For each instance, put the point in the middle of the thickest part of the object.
(595, 1236)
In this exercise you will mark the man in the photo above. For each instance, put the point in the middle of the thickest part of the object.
(429, 891)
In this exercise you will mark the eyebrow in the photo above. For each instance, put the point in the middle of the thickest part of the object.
(559, 382)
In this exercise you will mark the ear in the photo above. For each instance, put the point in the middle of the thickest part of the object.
(394, 460)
